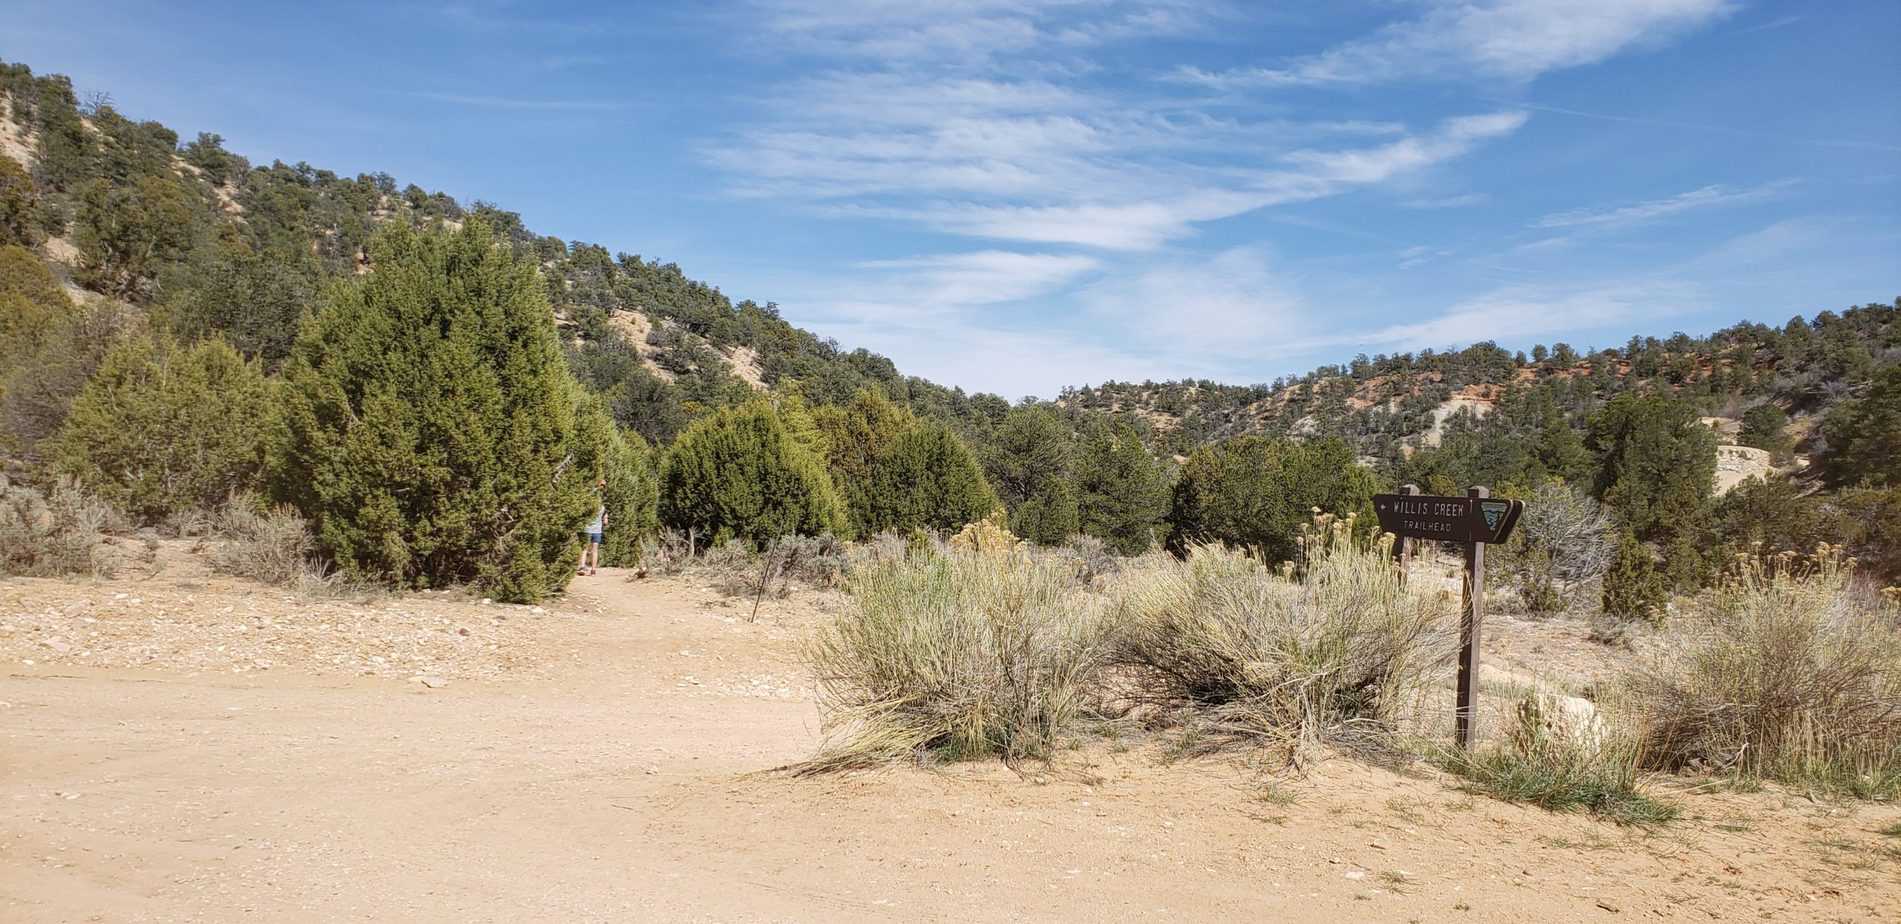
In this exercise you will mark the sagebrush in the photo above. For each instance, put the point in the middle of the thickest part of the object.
(1336, 650)
(1782, 672)
(270, 544)
(57, 533)
(962, 653)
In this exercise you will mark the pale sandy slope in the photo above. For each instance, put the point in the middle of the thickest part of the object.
(600, 763)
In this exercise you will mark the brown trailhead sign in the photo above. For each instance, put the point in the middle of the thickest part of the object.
(1447, 519)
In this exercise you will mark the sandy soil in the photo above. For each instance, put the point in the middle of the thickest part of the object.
(601, 760)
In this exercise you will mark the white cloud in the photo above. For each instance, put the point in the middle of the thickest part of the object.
(963, 30)
(1064, 180)
(533, 105)
(1112, 226)
(1522, 312)
(977, 119)
(1003, 360)
(1448, 202)
(1453, 138)
(1225, 307)
(1421, 255)
(1508, 39)
(945, 142)
(959, 317)
(984, 277)
(1777, 23)
(1640, 212)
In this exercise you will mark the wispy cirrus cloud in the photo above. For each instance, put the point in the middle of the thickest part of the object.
(1501, 39)
(1621, 216)
(1039, 162)
(986, 277)
(1230, 306)
(969, 29)
(981, 120)
(1464, 200)
(980, 143)
(524, 104)
(1522, 312)
(1848, 143)
(1776, 23)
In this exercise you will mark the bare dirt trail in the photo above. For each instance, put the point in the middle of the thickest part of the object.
(615, 777)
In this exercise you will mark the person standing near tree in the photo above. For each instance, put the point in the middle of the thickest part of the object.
(591, 555)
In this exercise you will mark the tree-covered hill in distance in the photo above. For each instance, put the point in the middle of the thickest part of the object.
(195, 238)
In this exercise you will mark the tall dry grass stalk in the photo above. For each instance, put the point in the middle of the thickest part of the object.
(979, 649)
(1782, 672)
(1335, 649)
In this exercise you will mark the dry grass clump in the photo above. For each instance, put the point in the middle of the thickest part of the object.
(1093, 558)
(1561, 765)
(981, 649)
(273, 545)
(56, 534)
(1336, 651)
(1782, 672)
(668, 552)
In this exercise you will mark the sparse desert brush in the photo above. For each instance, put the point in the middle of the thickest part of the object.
(982, 649)
(55, 534)
(815, 561)
(667, 551)
(1092, 556)
(1561, 764)
(891, 545)
(1781, 672)
(1334, 650)
(990, 535)
(269, 544)
(273, 545)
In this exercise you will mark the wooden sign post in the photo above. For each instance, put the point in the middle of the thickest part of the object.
(1472, 521)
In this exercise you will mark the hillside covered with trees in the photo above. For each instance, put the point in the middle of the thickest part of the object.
(436, 388)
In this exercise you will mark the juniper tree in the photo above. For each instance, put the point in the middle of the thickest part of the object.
(1656, 464)
(1765, 427)
(857, 435)
(1864, 435)
(254, 299)
(19, 204)
(738, 473)
(1256, 492)
(897, 472)
(31, 303)
(161, 429)
(1030, 467)
(1122, 496)
(430, 422)
(926, 478)
(622, 460)
(125, 234)
(1633, 587)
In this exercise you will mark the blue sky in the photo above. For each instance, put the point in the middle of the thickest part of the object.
(1017, 196)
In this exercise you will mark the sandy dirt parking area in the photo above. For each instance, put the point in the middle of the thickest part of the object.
(184, 747)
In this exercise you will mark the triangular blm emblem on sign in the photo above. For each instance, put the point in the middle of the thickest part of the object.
(1494, 512)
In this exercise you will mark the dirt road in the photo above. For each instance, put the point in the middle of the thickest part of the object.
(617, 778)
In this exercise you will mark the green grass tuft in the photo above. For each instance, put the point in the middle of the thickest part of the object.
(1562, 767)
